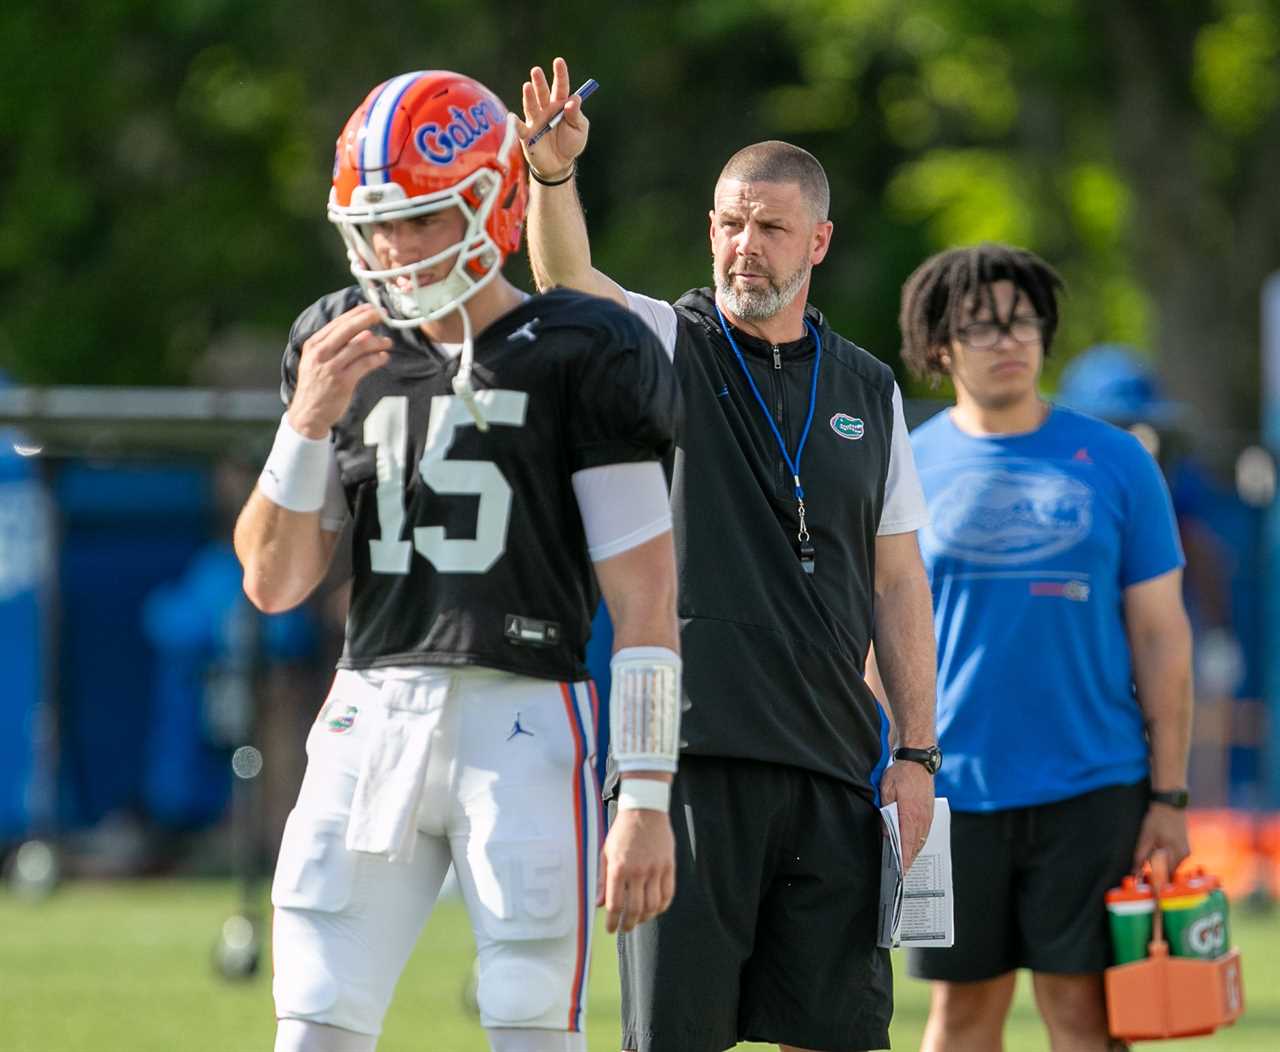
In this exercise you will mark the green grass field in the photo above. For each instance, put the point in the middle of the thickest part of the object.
(126, 968)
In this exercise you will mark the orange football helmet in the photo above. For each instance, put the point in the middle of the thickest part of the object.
(424, 142)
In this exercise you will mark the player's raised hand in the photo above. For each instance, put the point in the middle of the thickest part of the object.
(637, 869)
(553, 154)
(334, 360)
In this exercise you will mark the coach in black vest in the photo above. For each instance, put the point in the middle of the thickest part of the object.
(796, 504)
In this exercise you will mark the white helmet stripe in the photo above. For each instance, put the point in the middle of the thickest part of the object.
(377, 127)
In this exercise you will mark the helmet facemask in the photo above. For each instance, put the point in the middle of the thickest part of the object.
(477, 261)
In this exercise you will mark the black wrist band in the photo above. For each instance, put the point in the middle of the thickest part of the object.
(1175, 798)
(553, 182)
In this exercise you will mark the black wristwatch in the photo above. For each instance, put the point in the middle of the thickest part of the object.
(930, 759)
(1175, 798)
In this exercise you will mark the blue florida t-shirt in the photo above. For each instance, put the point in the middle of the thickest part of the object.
(1032, 540)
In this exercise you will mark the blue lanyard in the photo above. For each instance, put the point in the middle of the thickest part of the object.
(806, 555)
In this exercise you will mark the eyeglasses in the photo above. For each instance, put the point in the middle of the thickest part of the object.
(984, 334)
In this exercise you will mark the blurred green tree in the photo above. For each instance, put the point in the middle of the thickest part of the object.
(164, 164)
(1134, 145)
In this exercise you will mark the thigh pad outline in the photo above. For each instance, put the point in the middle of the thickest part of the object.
(315, 871)
(525, 890)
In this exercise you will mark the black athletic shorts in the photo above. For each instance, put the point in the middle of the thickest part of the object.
(772, 934)
(1030, 885)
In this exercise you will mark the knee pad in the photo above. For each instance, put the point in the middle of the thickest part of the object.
(300, 1035)
(514, 988)
(513, 1039)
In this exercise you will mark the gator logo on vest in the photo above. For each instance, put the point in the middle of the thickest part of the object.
(846, 426)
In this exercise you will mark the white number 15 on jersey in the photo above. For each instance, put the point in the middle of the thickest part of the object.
(386, 428)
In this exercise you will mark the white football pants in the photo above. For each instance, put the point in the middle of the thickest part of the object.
(492, 771)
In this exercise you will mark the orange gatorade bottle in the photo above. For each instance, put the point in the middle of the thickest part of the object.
(1218, 902)
(1130, 910)
(1194, 926)
(1206, 935)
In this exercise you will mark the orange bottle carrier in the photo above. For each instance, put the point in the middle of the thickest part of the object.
(1164, 996)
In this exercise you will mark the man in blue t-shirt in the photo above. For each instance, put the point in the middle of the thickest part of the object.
(1064, 673)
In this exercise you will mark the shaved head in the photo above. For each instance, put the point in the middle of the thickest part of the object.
(780, 162)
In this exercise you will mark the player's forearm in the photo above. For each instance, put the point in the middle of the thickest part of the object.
(559, 246)
(1162, 676)
(639, 587)
(650, 621)
(285, 554)
(905, 657)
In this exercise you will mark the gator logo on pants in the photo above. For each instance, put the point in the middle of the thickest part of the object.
(342, 724)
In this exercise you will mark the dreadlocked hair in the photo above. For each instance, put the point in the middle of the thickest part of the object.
(936, 295)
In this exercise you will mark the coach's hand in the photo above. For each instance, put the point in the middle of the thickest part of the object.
(637, 869)
(912, 787)
(553, 154)
(334, 360)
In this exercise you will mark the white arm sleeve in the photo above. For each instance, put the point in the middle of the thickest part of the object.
(904, 508)
(659, 315)
(333, 512)
(622, 506)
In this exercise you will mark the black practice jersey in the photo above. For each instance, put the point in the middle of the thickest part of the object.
(468, 547)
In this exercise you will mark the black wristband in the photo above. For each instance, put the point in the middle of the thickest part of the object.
(553, 182)
(1175, 798)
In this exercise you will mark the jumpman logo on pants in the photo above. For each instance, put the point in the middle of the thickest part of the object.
(517, 729)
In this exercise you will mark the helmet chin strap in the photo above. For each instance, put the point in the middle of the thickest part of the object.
(462, 380)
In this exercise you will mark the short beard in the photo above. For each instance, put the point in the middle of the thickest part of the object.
(756, 304)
